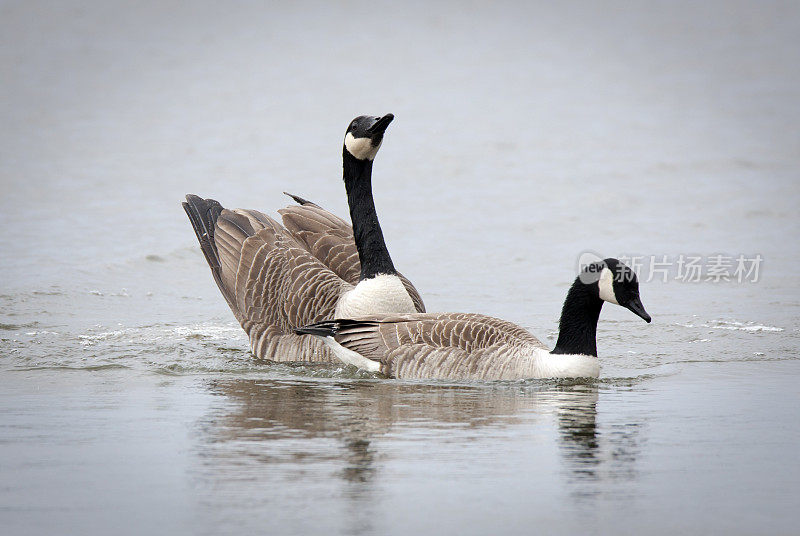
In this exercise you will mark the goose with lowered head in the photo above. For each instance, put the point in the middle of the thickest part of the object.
(464, 346)
(313, 267)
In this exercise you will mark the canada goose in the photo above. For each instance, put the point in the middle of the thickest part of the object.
(277, 278)
(462, 346)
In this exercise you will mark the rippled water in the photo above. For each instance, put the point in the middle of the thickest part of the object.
(525, 135)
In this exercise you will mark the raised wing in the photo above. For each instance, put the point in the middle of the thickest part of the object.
(327, 237)
(278, 282)
(271, 282)
(330, 239)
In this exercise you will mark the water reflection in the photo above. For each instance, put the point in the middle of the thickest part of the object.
(342, 435)
(353, 414)
(594, 454)
(577, 423)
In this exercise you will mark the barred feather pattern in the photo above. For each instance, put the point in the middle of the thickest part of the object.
(277, 278)
(276, 284)
(330, 239)
(458, 346)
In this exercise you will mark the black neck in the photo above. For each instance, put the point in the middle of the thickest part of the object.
(577, 330)
(371, 247)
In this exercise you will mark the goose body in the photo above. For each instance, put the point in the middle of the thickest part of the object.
(465, 346)
(454, 346)
(315, 266)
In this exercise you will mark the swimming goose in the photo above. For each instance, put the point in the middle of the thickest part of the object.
(462, 346)
(276, 278)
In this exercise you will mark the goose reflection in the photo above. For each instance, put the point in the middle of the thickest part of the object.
(577, 424)
(342, 434)
(593, 454)
(354, 414)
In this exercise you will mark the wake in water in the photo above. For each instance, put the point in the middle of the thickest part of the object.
(211, 347)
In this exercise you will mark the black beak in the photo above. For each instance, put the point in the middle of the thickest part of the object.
(379, 126)
(635, 306)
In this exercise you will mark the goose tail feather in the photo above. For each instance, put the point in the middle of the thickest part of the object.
(203, 214)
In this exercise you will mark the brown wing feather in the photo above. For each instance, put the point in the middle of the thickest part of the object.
(453, 345)
(330, 239)
(271, 278)
(276, 283)
(326, 236)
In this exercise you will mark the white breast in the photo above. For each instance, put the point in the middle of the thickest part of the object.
(382, 294)
(547, 365)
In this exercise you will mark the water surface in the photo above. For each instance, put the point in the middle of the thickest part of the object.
(525, 135)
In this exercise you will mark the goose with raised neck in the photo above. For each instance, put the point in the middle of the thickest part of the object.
(357, 174)
(380, 289)
(277, 277)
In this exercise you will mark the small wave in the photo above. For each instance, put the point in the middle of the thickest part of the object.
(47, 293)
(733, 325)
(248, 366)
(325, 370)
(205, 332)
(16, 327)
(90, 339)
(756, 357)
(106, 366)
(625, 381)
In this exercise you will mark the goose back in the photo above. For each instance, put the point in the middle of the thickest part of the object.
(458, 346)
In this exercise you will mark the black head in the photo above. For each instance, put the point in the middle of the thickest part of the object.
(615, 283)
(365, 134)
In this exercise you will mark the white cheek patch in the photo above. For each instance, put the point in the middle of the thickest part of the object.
(361, 148)
(606, 285)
